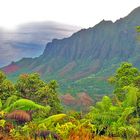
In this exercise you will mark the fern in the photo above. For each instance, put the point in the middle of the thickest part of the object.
(25, 104)
(48, 122)
(10, 100)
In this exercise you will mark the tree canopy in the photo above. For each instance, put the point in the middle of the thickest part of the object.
(32, 87)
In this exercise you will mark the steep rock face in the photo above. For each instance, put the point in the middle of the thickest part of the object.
(87, 50)
(96, 50)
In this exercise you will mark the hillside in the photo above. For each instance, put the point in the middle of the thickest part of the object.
(83, 61)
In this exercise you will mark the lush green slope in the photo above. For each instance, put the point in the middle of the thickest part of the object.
(89, 56)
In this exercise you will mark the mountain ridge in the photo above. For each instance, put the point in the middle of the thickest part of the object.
(94, 52)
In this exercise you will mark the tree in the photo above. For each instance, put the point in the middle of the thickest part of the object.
(28, 84)
(48, 95)
(31, 86)
(125, 75)
(6, 87)
(2, 76)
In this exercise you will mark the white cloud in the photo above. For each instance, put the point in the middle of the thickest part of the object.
(77, 12)
(29, 40)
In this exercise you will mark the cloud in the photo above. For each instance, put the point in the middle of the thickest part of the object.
(29, 40)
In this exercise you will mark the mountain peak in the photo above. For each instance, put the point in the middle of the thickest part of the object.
(105, 22)
(135, 11)
(134, 15)
(93, 51)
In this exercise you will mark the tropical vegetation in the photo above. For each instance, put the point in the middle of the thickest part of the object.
(31, 109)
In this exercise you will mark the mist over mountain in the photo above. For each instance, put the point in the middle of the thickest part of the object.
(29, 40)
(84, 60)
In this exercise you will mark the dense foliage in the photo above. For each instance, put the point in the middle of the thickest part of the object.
(31, 109)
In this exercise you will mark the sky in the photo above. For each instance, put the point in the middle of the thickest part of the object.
(83, 13)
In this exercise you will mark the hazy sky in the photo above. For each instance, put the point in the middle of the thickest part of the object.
(84, 13)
